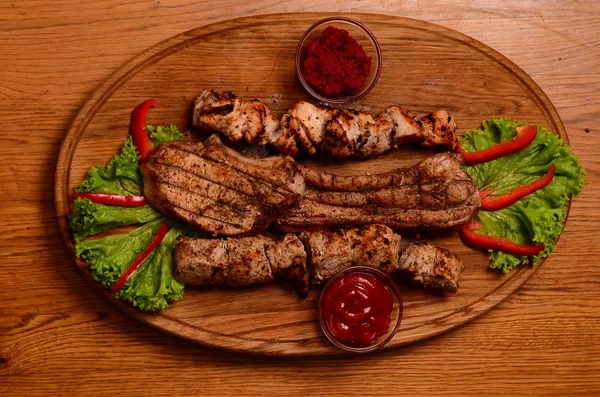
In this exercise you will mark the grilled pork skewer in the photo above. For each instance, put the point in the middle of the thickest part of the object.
(312, 128)
(262, 259)
(242, 261)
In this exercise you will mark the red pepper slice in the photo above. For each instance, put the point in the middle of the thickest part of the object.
(137, 128)
(525, 135)
(498, 202)
(483, 242)
(164, 228)
(113, 199)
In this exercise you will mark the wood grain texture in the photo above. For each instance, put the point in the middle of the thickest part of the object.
(438, 68)
(58, 337)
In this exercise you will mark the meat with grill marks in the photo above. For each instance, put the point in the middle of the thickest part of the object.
(434, 195)
(242, 261)
(318, 255)
(431, 266)
(334, 250)
(308, 128)
(216, 189)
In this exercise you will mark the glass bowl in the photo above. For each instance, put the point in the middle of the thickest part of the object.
(363, 36)
(395, 317)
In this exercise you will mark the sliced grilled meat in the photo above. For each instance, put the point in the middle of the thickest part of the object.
(331, 251)
(222, 111)
(260, 259)
(218, 190)
(201, 261)
(441, 166)
(433, 196)
(242, 261)
(431, 266)
(215, 262)
(287, 258)
(313, 128)
(310, 215)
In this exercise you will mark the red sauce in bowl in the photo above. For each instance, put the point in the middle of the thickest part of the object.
(357, 308)
(336, 63)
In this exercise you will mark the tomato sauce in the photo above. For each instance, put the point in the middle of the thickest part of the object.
(357, 308)
(336, 63)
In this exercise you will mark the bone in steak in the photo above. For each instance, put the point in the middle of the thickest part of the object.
(323, 253)
(433, 196)
(218, 190)
(310, 128)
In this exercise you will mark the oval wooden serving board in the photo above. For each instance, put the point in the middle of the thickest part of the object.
(425, 67)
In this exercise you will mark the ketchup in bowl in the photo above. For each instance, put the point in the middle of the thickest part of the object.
(358, 307)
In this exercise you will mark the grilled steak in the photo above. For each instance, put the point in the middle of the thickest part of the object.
(242, 261)
(432, 196)
(309, 128)
(218, 190)
(286, 258)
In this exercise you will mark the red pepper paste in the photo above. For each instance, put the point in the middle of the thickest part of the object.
(335, 63)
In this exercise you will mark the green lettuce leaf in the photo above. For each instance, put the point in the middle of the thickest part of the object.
(538, 217)
(152, 286)
(162, 134)
(90, 218)
(108, 257)
(120, 176)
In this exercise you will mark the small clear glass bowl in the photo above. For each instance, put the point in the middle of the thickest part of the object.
(362, 35)
(395, 317)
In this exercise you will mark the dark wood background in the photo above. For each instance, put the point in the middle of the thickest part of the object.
(58, 337)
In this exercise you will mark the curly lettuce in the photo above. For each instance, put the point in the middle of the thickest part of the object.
(161, 134)
(152, 286)
(91, 218)
(538, 217)
(120, 176)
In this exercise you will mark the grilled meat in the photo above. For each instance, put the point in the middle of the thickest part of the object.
(214, 262)
(315, 216)
(312, 128)
(242, 261)
(218, 190)
(432, 196)
(287, 258)
(431, 266)
(441, 166)
(201, 261)
(331, 251)
(217, 261)
(249, 121)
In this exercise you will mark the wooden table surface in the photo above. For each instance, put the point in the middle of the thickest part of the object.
(58, 337)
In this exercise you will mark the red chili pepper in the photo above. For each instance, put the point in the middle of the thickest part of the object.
(137, 128)
(498, 202)
(483, 242)
(162, 231)
(113, 199)
(525, 135)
